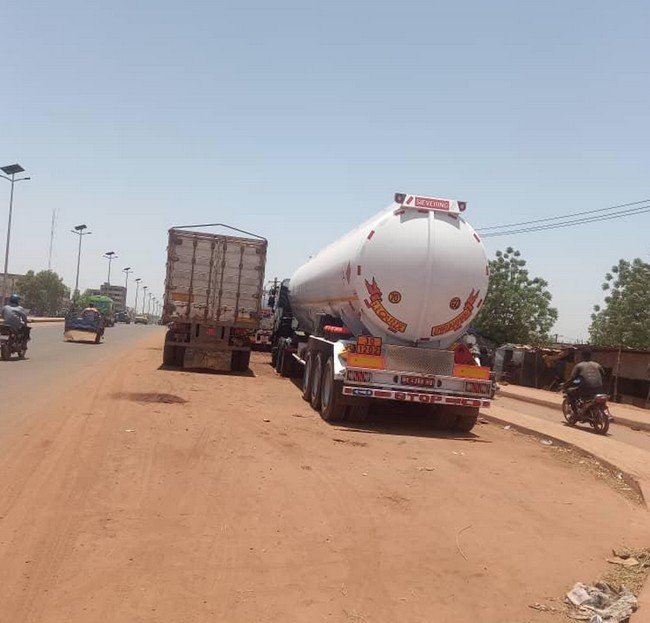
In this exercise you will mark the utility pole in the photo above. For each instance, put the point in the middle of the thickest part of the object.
(137, 288)
(79, 230)
(126, 272)
(49, 257)
(11, 169)
(110, 256)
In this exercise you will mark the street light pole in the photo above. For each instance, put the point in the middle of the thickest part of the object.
(137, 288)
(144, 296)
(126, 272)
(110, 256)
(79, 231)
(11, 169)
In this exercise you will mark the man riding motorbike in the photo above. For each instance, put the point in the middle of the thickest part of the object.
(590, 377)
(14, 316)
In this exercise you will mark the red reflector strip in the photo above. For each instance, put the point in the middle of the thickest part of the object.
(338, 330)
(371, 234)
(358, 269)
(424, 339)
(477, 238)
(398, 212)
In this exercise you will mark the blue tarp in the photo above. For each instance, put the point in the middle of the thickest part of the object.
(84, 321)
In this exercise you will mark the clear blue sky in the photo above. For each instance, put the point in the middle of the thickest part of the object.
(298, 120)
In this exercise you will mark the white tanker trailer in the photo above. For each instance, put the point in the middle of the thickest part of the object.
(377, 315)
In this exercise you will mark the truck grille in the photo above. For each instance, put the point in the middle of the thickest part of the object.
(423, 360)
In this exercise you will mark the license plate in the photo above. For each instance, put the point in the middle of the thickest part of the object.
(417, 381)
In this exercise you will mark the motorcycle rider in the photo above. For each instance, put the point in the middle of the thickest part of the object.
(590, 376)
(14, 316)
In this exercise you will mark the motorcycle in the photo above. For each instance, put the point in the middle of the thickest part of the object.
(593, 411)
(12, 341)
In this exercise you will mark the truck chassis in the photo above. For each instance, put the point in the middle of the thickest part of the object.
(344, 393)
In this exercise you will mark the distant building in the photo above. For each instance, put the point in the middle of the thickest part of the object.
(117, 293)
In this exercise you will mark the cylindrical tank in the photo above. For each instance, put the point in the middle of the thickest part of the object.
(414, 274)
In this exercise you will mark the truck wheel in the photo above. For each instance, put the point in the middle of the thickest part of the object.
(278, 357)
(358, 413)
(331, 408)
(239, 360)
(466, 421)
(285, 363)
(235, 361)
(168, 351)
(306, 377)
(316, 381)
(179, 357)
(445, 421)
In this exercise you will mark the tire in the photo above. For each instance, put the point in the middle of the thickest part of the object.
(600, 420)
(168, 353)
(236, 361)
(465, 422)
(179, 356)
(358, 412)
(278, 357)
(445, 421)
(240, 360)
(316, 381)
(331, 408)
(306, 377)
(285, 363)
(5, 353)
(570, 417)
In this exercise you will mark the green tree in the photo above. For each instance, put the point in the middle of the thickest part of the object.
(43, 293)
(625, 318)
(84, 299)
(517, 309)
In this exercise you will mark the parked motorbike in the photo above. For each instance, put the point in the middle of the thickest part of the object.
(12, 341)
(593, 411)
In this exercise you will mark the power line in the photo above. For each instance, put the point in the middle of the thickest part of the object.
(563, 217)
(582, 221)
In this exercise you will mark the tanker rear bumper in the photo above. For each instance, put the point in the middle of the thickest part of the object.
(414, 397)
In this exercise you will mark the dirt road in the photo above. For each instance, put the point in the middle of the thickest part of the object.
(168, 496)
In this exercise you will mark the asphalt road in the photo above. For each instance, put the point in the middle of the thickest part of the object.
(50, 360)
(639, 439)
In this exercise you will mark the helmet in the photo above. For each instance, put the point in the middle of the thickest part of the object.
(14, 299)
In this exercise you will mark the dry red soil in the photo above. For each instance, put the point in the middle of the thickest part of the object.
(152, 495)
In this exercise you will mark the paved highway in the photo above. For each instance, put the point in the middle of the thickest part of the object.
(26, 384)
